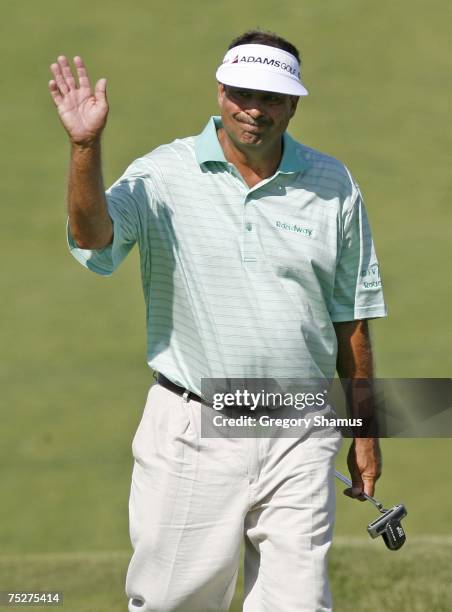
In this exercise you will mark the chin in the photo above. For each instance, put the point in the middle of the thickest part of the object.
(251, 137)
(251, 141)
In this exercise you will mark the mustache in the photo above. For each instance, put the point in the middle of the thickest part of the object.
(244, 118)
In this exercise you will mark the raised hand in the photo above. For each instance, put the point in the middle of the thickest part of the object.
(83, 112)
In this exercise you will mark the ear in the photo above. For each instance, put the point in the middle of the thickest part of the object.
(293, 104)
(220, 94)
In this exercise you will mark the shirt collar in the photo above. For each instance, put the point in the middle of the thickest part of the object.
(208, 149)
(207, 145)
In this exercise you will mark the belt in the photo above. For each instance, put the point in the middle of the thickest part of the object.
(186, 393)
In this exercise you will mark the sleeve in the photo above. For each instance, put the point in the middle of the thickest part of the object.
(127, 201)
(358, 292)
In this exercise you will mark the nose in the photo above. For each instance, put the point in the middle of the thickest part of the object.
(254, 106)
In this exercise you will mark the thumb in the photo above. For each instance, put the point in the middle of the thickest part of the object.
(369, 487)
(100, 91)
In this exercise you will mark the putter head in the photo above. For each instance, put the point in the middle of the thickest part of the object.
(389, 527)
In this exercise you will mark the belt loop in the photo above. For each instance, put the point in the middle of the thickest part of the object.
(185, 395)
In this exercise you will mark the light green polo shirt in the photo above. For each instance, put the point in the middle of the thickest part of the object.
(240, 282)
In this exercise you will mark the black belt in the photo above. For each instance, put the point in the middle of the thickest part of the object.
(189, 395)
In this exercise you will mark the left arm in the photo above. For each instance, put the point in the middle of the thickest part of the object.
(354, 361)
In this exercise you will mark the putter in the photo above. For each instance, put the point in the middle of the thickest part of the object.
(388, 525)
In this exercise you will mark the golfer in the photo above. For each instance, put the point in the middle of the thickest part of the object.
(257, 261)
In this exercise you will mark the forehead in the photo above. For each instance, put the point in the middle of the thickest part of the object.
(254, 92)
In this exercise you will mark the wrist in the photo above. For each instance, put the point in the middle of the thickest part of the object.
(91, 142)
(367, 441)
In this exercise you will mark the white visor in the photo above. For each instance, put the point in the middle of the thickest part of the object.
(262, 67)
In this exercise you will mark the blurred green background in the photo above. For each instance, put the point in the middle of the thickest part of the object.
(73, 373)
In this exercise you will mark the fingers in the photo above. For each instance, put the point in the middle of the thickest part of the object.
(67, 72)
(356, 492)
(101, 90)
(348, 493)
(57, 72)
(357, 486)
(81, 73)
(64, 78)
(55, 93)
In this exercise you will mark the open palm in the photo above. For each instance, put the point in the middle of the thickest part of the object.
(83, 112)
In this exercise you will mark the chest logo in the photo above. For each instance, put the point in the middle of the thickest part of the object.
(293, 227)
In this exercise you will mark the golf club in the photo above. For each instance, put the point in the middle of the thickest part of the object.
(389, 524)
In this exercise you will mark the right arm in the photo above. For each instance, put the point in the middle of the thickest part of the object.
(83, 115)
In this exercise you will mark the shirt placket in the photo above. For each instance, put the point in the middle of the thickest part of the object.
(250, 239)
(249, 230)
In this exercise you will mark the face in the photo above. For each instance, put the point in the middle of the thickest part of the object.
(253, 118)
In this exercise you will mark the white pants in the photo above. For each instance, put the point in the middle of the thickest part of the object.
(193, 500)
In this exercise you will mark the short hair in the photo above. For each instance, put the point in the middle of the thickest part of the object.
(259, 37)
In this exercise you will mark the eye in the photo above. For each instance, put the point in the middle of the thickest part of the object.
(238, 94)
(273, 99)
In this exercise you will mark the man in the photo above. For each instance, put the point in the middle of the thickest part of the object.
(254, 254)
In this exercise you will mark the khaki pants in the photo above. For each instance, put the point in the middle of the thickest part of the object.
(194, 500)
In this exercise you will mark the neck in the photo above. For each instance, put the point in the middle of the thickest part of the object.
(254, 163)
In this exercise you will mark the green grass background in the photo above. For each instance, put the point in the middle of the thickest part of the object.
(72, 369)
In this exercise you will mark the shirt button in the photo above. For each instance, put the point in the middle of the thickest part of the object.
(249, 226)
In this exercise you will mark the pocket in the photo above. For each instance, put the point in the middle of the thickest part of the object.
(166, 425)
(140, 435)
(179, 422)
(145, 435)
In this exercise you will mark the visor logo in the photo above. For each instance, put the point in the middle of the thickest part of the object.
(266, 61)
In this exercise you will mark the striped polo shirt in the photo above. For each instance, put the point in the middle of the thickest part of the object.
(242, 282)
